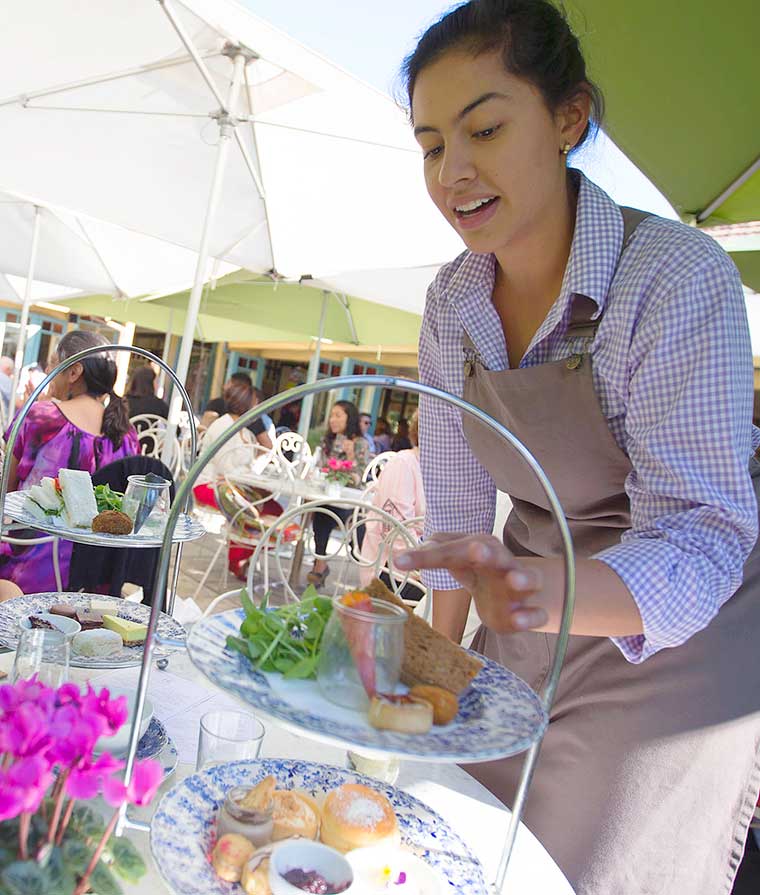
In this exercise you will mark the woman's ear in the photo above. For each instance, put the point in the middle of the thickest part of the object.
(572, 119)
(74, 373)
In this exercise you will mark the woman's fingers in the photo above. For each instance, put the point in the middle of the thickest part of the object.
(475, 552)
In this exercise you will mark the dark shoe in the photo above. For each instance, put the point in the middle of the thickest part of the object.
(318, 578)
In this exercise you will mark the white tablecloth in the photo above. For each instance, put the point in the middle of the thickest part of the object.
(181, 695)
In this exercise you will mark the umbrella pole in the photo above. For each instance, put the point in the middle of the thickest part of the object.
(226, 129)
(25, 311)
(304, 422)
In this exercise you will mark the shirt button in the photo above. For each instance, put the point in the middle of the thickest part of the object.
(468, 368)
(574, 361)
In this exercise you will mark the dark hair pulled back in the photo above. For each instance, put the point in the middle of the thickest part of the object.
(99, 374)
(353, 429)
(142, 383)
(535, 41)
(238, 394)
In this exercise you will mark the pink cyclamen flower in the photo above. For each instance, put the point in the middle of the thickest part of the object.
(114, 711)
(25, 731)
(86, 780)
(68, 693)
(146, 778)
(333, 463)
(23, 786)
(347, 464)
(74, 733)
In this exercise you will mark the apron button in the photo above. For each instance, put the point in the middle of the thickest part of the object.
(468, 368)
(574, 361)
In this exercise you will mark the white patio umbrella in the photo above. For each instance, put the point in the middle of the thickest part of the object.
(134, 123)
(49, 254)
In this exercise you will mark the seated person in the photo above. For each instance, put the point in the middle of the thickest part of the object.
(73, 429)
(399, 492)
(217, 408)
(235, 456)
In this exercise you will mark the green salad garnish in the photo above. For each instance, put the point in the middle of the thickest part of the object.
(107, 499)
(283, 638)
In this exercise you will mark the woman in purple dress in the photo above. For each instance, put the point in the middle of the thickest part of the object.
(75, 429)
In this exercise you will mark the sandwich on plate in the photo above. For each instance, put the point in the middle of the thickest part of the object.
(67, 500)
(45, 501)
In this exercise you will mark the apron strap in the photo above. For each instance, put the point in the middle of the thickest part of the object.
(581, 325)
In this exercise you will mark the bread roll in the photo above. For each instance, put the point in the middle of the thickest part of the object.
(354, 816)
(229, 856)
(294, 814)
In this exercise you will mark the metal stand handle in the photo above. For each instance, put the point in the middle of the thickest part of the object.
(344, 382)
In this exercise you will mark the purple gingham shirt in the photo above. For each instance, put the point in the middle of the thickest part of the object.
(672, 367)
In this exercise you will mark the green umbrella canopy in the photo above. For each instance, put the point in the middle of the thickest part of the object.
(244, 307)
(683, 96)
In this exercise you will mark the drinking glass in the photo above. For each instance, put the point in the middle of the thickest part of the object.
(146, 502)
(228, 736)
(358, 638)
(42, 653)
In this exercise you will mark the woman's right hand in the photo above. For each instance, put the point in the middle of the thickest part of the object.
(501, 586)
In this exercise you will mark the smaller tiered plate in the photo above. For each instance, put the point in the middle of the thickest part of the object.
(11, 611)
(187, 528)
(157, 744)
(499, 714)
(182, 831)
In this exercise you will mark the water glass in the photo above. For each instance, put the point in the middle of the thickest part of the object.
(373, 764)
(228, 736)
(44, 654)
(146, 502)
(361, 645)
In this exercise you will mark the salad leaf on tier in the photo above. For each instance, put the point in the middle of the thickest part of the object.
(283, 638)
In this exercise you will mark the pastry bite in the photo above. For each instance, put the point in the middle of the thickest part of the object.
(112, 522)
(255, 876)
(130, 632)
(36, 622)
(445, 704)
(246, 815)
(403, 714)
(64, 609)
(259, 798)
(88, 620)
(294, 814)
(230, 855)
(354, 816)
(96, 643)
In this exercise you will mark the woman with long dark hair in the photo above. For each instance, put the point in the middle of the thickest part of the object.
(141, 393)
(614, 344)
(343, 441)
(83, 425)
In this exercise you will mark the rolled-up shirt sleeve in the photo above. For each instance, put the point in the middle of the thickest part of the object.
(688, 432)
(460, 494)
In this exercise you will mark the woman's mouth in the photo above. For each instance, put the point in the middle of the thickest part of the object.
(475, 213)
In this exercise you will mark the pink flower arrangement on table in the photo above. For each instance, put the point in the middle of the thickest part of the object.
(339, 471)
(48, 842)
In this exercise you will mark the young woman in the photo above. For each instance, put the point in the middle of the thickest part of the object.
(75, 429)
(615, 346)
(343, 441)
(141, 393)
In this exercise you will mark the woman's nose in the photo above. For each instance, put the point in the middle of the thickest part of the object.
(456, 166)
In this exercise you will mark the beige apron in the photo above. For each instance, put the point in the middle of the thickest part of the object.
(648, 773)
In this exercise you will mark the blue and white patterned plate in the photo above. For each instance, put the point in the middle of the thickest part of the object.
(182, 828)
(187, 529)
(499, 714)
(156, 743)
(32, 604)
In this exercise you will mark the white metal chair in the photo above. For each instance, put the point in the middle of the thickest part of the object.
(151, 433)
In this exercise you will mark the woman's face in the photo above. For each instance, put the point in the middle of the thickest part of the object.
(491, 148)
(338, 420)
(65, 383)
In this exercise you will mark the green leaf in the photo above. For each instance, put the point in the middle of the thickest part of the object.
(103, 881)
(303, 669)
(77, 855)
(24, 878)
(283, 664)
(237, 645)
(250, 627)
(247, 603)
(310, 593)
(127, 861)
(9, 833)
(61, 880)
(87, 823)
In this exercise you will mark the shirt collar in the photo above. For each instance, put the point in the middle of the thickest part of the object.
(593, 257)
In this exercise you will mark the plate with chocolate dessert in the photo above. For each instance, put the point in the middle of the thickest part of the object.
(111, 631)
(388, 840)
(362, 669)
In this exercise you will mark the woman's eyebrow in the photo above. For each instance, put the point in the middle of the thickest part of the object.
(484, 98)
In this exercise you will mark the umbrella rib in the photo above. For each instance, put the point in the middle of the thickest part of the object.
(306, 130)
(120, 111)
(103, 79)
(729, 191)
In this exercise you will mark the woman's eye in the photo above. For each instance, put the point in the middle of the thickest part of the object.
(432, 153)
(487, 132)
